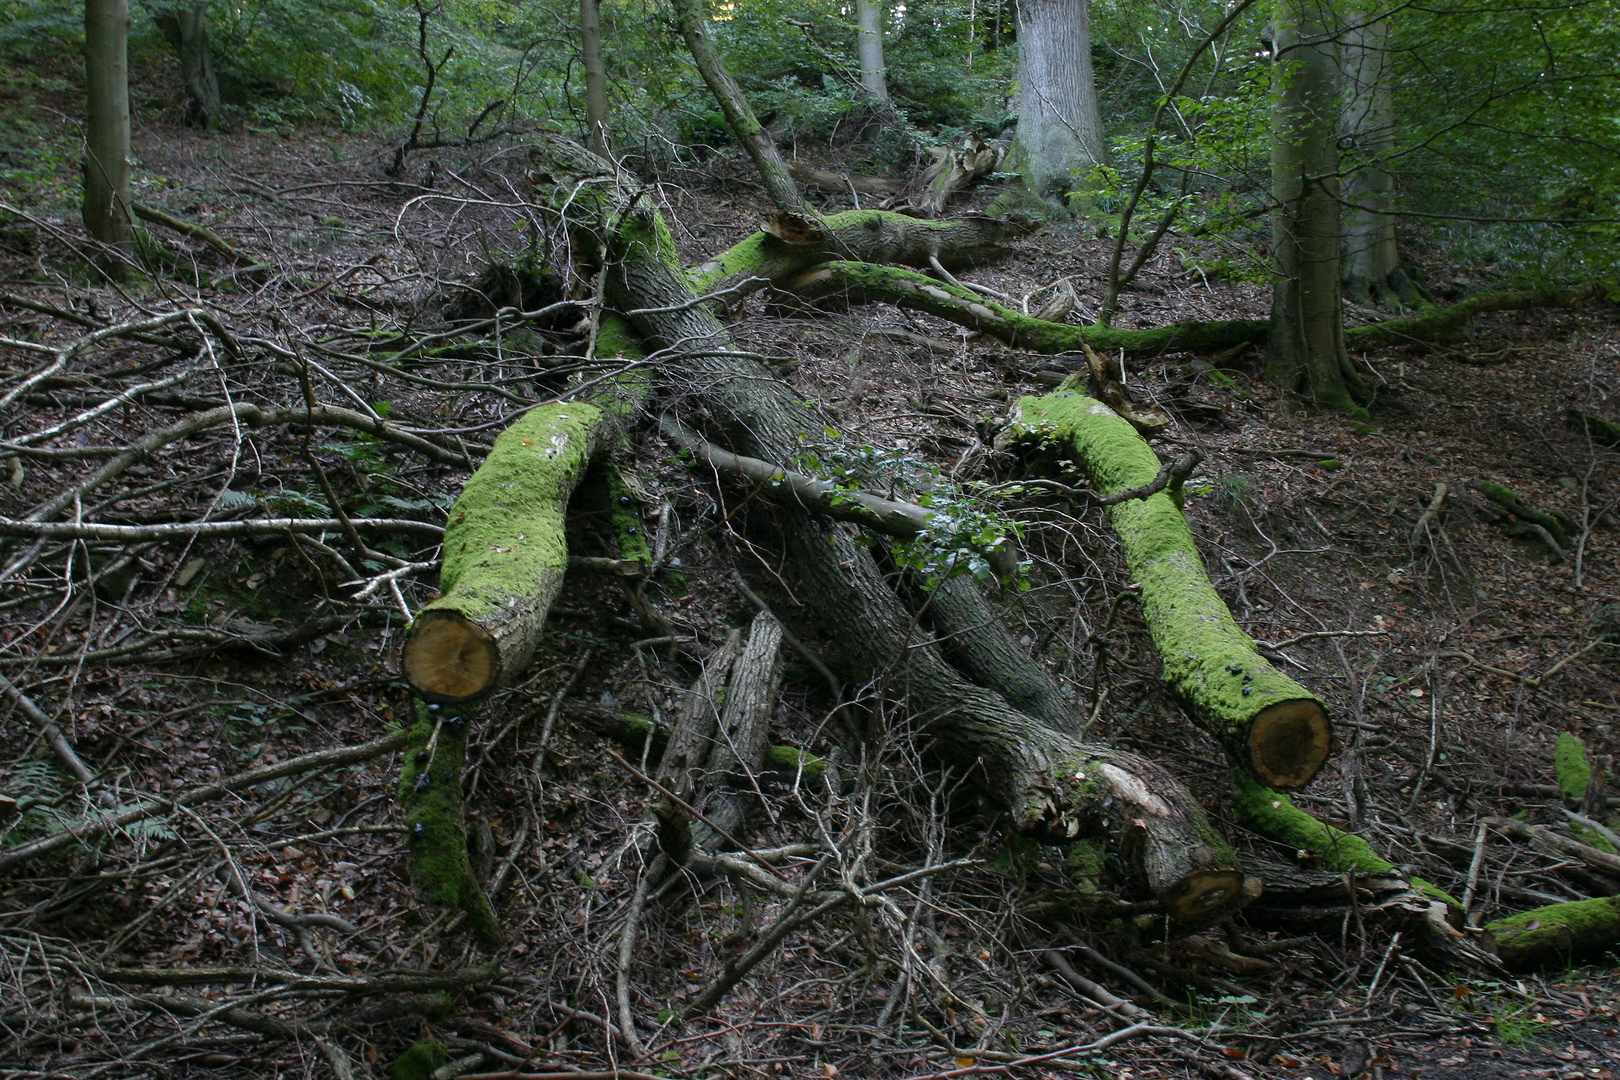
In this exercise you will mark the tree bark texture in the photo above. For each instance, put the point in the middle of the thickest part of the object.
(106, 209)
(790, 245)
(504, 556)
(742, 735)
(435, 820)
(1268, 724)
(1371, 264)
(186, 27)
(869, 42)
(1059, 126)
(1555, 936)
(844, 279)
(693, 22)
(596, 91)
(1306, 349)
(1055, 786)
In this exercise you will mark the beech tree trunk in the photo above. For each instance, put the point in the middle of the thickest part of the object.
(1371, 263)
(693, 22)
(106, 159)
(1307, 352)
(504, 557)
(1060, 132)
(596, 95)
(874, 76)
(186, 28)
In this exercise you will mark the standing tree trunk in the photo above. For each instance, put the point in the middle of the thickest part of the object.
(106, 158)
(874, 76)
(596, 94)
(693, 23)
(1307, 352)
(1059, 126)
(1372, 265)
(186, 28)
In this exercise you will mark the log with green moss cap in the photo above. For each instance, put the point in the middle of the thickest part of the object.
(1268, 723)
(1555, 935)
(504, 556)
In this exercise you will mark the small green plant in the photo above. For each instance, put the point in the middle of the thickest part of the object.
(963, 535)
(1518, 1023)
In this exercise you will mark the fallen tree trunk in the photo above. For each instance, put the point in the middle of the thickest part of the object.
(435, 821)
(1555, 936)
(1268, 724)
(1426, 909)
(504, 556)
(863, 281)
(919, 292)
(789, 245)
(1055, 787)
(1429, 324)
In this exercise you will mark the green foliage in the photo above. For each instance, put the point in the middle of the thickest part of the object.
(48, 802)
(964, 535)
(35, 29)
(962, 538)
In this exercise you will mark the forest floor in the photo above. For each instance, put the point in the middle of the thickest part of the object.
(1465, 653)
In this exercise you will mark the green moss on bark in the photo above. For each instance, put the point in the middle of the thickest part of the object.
(625, 513)
(1555, 524)
(1556, 935)
(1574, 773)
(763, 253)
(418, 1062)
(1274, 815)
(919, 292)
(506, 530)
(792, 759)
(435, 821)
(1208, 660)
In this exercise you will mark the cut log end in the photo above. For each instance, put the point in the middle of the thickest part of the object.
(1289, 742)
(1197, 897)
(449, 659)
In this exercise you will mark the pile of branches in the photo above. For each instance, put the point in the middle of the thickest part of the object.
(875, 888)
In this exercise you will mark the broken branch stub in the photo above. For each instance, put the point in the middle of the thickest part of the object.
(1268, 724)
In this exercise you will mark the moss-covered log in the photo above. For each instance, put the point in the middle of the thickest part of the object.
(504, 556)
(1054, 786)
(1268, 723)
(905, 288)
(435, 822)
(1603, 432)
(1555, 936)
(1274, 815)
(1556, 525)
(789, 246)
(1435, 321)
